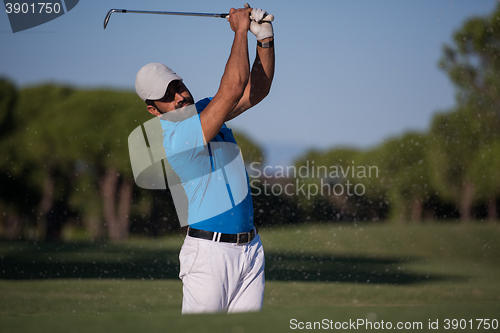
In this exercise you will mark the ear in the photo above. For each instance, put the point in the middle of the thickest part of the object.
(153, 111)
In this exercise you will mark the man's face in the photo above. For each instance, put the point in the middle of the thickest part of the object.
(177, 96)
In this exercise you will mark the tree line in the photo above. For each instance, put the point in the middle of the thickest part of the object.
(65, 159)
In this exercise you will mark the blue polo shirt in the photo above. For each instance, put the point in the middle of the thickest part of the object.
(212, 174)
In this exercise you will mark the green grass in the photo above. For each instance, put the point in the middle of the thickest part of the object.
(317, 271)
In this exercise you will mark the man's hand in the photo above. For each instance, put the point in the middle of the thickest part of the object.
(239, 19)
(260, 28)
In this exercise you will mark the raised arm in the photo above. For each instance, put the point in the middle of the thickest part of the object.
(262, 74)
(235, 77)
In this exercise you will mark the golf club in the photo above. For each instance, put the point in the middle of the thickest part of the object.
(268, 18)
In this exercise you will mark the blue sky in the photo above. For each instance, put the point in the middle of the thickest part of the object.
(348, 73)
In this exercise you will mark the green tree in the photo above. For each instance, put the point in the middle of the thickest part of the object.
(15, 192)
(334, 170)
(485, 174)
(473, 65)
(8, 99)
(96, 138)
(72, 146)
(250, 150)
(33, 158)
(404, 164)
(377, 184)
(346, 162)
(453, 144)
(473, 62)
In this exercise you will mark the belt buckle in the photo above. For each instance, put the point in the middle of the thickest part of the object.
(238, 238)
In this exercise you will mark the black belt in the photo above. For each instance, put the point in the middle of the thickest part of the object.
(239, 239)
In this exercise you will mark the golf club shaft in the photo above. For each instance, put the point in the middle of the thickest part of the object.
(106, 20)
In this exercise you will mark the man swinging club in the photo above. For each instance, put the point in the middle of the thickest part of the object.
(222, 259)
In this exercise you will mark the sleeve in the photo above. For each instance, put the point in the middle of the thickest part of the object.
(186, 135)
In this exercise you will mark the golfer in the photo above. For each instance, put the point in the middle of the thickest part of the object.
(222, 259)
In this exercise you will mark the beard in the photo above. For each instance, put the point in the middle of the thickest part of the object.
(185, 102)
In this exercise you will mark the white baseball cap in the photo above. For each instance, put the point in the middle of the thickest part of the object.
(153, 79)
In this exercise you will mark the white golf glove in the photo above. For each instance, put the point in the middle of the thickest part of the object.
(260, 24)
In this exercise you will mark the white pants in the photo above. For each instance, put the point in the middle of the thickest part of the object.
(221, 277)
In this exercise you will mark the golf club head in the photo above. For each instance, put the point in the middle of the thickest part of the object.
(108, 15)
